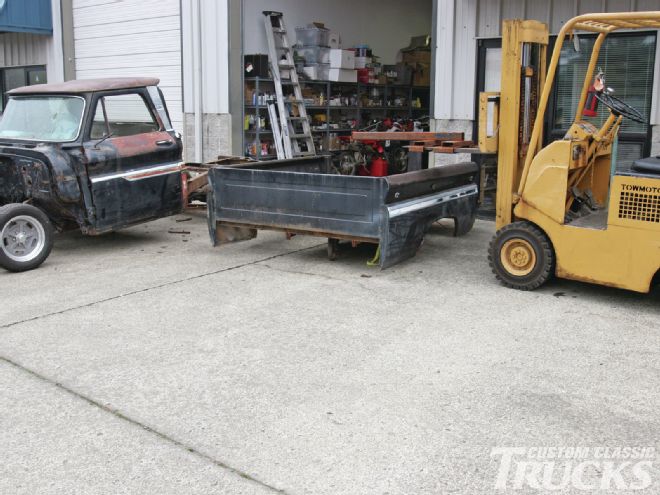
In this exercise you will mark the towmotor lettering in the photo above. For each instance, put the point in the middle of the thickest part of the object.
(642, 189)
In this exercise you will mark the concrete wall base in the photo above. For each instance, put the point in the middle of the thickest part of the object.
(445, 125)
(216, 135)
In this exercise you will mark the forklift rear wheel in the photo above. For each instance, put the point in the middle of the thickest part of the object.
(521, 256)
(26, 237)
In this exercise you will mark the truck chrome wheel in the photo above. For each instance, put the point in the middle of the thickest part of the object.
(26, 237)
(23, 238)
(518, 257)
(522, 256)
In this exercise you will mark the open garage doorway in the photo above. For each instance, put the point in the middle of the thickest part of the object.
(385, 78)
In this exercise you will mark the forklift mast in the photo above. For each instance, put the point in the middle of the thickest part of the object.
(515, 108)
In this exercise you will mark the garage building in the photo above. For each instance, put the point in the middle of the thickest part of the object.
(196, 47)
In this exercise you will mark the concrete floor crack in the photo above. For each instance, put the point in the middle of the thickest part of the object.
(163, 436)
(312, 274)
(159, 286)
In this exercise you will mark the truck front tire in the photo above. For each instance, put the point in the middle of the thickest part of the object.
(26, 237)
(521, 256)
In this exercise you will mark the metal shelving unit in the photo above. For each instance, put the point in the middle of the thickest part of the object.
(361, 113)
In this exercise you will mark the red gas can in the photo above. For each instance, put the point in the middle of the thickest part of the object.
(379, 167)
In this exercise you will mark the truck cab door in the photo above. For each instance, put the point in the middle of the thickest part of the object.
(133, 159)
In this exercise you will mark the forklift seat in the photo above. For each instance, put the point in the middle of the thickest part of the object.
(649, 165)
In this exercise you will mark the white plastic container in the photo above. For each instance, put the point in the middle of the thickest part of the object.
(317, 72)
(334, 41)
(313, 36)
(342, 75)
(342, 59)
(314, 54)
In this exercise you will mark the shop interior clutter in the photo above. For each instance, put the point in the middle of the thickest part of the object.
(344, 88)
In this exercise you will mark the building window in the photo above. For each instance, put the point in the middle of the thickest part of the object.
(16, 77)
(627, 59)
(628, 62)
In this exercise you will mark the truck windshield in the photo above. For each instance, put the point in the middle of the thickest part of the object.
(42, 118)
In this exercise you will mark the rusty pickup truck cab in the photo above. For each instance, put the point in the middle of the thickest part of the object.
(97, 155)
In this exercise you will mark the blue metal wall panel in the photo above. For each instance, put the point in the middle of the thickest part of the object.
(26, 16)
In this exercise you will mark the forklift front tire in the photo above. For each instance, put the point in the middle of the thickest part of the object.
(26, 237)
(521, 256)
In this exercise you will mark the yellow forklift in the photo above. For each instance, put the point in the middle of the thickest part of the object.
(563, 209)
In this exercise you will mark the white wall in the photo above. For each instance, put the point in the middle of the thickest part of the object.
(131, 38)
(385, 25)
(461, 22)
(214, 55)
(205, 48)
(54, 47)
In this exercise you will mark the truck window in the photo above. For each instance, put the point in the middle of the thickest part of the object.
(122, 115)
(159, 104)
(42, 118)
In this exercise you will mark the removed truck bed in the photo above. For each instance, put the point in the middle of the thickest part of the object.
(304, 196)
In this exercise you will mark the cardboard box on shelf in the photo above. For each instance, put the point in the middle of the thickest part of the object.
(308, 92)
(342, 75)
(342, 59)
(417, 56)
(418, 42)
(422, 75)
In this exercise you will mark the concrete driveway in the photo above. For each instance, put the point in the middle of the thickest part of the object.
(147, 362)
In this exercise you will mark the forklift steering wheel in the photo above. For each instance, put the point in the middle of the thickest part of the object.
(619, 107)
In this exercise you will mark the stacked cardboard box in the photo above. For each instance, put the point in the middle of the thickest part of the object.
(419, 60)
(417, 56)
